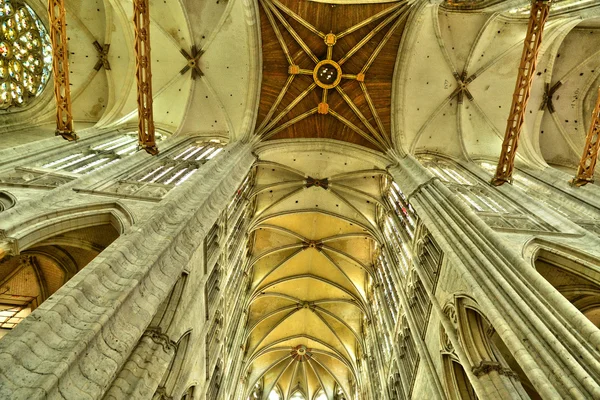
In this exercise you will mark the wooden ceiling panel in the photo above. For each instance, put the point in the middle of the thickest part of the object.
(355, 107)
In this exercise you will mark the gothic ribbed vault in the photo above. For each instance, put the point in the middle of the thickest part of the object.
(313, 239)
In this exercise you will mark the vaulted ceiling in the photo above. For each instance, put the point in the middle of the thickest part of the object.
(441, 79)
(358, 43)
(219, 103)
(457, 77)
(312, 240)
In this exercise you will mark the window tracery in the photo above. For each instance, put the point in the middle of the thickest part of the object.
(172, 168)
(68, 165)
(494, 209)
(321, 395)
(275, 394)
(298, 396)
(586, 217)
(25, 54)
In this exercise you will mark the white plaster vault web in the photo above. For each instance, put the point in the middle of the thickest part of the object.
(311, 265)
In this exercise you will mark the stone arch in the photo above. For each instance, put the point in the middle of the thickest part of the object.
(164, 317)
(47, 253)
(56, 222)
(458, 385)
(189, 393)
(173, 373)
(488, 358)
(574, 275)
(7, 201)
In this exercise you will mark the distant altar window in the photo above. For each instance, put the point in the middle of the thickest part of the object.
(25, 54)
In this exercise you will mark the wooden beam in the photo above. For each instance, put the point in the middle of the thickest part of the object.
(143, 63)
(540, 9)
(60, 69)
(587, 165)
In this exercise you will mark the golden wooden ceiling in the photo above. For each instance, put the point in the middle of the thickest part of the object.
(294, 34)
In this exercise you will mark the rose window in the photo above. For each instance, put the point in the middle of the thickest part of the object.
(25, 54)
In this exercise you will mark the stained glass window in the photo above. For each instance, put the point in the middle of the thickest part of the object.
(25, 54)
(274, 395)
(298, 396)
(98, 156)
(321, 395)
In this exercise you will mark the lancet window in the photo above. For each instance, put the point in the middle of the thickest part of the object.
(235, 315)
(298, 396)
(390, 291)
(429, 255)
(239, 214)
(212, 393)
(275, 395)
(257, 392)
(395, 385)
(213, 340)
(213, 246)
(25, 54)
(321, 395)
(409, 357)
(212, 289)
(95, 157)
(398, 223)
(381, 326)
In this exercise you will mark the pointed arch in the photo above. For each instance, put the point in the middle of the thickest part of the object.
(574, 276)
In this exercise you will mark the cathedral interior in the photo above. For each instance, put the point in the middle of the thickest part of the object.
(299, 199)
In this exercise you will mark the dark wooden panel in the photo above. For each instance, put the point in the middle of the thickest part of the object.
(328, 18)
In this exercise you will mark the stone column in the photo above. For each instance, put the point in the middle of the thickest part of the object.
(74, 344)
(145, 368)
(556, 346)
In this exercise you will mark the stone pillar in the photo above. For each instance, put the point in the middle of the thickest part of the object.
(75, 343)
(142, 373)
(556, 346)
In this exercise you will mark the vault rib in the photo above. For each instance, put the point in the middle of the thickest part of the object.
(349, 257)
(334, 334)
(332, 315)
(279, 36)
(280, 97)
(299, 19)
(279, 201)
(279, 377)
(276, 185)
(368, 37)
(356, 129)
(273, 251)
(371, 19)
(291, 30)
(271, 164)
(281, 229)
(289, 108)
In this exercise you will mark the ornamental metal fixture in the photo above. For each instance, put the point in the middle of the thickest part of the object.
(327, 74)
(587, 165)
(540, 9)
(62, 88)
(193, 62)
(25, 54)
(103, 56)
(548, 95)
(322, 183)
(143, 74)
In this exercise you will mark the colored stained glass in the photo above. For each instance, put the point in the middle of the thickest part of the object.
(25, 54)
